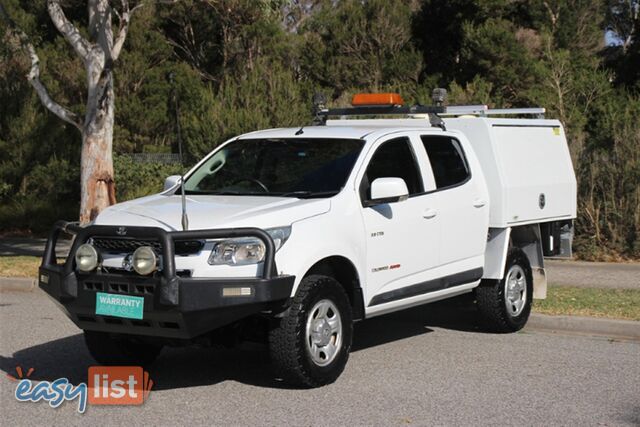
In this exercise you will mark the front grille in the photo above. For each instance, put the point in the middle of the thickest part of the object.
(119, 245)
(116, 245)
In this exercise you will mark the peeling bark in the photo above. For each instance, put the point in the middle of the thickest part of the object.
(97, 177)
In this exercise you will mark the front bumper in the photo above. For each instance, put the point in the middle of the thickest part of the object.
(174, 307)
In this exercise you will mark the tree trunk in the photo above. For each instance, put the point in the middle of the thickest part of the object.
(97, 187)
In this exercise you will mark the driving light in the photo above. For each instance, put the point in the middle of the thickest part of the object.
(87, 258)
(144, 260)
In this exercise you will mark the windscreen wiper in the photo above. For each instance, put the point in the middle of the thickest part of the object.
(212, 193)
(309, 194)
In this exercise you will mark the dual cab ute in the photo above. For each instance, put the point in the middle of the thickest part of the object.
(297, 233)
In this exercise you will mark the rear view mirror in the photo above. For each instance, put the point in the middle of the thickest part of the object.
(171, 182)
(387, 190)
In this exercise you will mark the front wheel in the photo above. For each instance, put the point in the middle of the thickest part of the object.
(505, 305)
(112, 350)
(310, 345)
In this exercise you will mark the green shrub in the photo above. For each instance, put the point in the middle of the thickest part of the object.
(29, 214)
(48, 193)
(608, 223)
(135, 179)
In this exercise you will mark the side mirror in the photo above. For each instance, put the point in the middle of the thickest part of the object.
(171, 182)
(387, 190)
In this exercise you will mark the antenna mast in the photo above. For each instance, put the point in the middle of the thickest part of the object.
(185, 218)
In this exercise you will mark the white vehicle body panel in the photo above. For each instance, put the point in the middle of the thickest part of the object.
(402, 245)
(523, 159)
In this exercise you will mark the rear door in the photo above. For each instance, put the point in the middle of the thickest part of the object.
(403, 237)
(463, 204)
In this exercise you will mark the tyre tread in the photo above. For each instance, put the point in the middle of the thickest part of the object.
(489, 297)
(285, 345)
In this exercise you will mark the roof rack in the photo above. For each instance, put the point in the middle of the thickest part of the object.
(391, 104)
(321, 115)
(453, 110)
(483, 110)
(381, 110)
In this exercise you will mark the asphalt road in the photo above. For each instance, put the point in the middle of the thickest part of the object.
(425, 366)
(28, 246)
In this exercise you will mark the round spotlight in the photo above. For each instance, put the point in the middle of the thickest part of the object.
(144, 260)
(86, 258)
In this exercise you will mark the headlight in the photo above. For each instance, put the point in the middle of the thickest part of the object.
(249, 250)
(237, 252)
(87, 258)
(144, 260)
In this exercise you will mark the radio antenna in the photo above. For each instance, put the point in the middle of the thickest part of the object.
(185, 218)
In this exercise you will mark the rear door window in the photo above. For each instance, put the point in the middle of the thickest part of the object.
(447, 160)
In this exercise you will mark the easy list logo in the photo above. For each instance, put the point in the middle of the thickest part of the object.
(113, 385)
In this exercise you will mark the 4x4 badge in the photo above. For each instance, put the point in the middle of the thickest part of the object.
(121, 231)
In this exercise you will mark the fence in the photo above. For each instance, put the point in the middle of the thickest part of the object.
(165, 158)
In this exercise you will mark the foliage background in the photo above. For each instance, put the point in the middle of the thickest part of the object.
(242, 65)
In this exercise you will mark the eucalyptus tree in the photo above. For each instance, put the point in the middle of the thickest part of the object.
(98, 48)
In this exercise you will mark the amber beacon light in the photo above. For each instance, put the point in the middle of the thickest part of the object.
(375, 99)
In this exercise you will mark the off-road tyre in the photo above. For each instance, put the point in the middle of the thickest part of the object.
(288, 336)
(113, 350)
(490, 296)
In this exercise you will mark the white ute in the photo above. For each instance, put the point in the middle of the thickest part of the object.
(363, 216)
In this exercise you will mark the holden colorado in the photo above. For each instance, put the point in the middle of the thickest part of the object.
(292, 235)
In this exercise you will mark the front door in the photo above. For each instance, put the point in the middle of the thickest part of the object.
(402, 237)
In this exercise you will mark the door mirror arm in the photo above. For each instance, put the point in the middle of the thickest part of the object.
(384, 201)
(171, 182)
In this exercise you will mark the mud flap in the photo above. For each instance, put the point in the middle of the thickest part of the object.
(539, 283)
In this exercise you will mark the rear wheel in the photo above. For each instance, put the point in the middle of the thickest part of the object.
(108, 349)
(310, 345)
(505, 305)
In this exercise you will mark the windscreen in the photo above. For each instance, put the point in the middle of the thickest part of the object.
(286, 167)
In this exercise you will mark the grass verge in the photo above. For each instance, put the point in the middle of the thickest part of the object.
(610, 303)
(19, 266)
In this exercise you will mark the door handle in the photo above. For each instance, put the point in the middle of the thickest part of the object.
(430, 213)
(478, 203)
